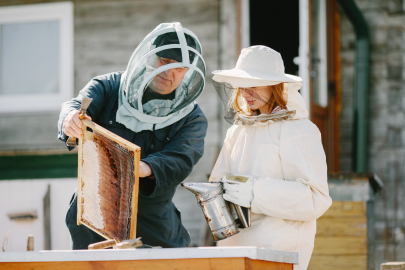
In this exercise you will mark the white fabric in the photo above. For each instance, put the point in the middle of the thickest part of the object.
(295, 101)
(290, 191)
(240, 193)
(256, 66)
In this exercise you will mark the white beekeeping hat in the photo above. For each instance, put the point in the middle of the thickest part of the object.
(256, 66)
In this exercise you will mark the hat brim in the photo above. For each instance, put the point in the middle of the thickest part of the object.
(241, 78)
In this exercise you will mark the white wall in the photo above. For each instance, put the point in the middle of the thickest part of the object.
(27, 195)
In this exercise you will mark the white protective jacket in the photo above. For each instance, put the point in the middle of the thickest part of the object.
(290, 191)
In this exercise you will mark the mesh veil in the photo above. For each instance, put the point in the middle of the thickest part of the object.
(165, 74)
(228, 94)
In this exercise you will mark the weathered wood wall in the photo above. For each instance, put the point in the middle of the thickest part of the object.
(386, 21)
(105, 35)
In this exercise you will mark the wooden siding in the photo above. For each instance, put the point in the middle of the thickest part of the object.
(341, 239)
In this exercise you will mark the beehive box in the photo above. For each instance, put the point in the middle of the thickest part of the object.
(108, 183)
(345, 233)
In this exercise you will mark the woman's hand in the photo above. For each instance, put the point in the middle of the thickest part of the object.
(238, 189)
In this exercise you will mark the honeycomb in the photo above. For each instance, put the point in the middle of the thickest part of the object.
(107, 181)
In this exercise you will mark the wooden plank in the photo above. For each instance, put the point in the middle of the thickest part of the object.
(47, 219)
(334, 99)
(393, 266)
(111, 135)
(263, 265)
(346, 262)
(135, 192)
(345, 209)
(353, 227)
(175, 264)
(337, 78)
(79, 178)
(340, 245)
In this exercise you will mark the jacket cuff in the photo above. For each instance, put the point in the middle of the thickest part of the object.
(150, 184)
(61, 135)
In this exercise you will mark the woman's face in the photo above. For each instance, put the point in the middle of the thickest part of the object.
(257, 97)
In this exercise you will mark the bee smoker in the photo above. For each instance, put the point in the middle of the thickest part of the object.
(223, 217)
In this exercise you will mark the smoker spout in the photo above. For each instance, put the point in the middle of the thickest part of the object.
(200, 188)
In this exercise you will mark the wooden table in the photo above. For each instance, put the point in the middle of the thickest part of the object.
(213, 258)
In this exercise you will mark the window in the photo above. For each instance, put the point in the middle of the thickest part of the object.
(36, 57)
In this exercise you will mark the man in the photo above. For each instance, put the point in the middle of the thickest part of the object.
(152, 105)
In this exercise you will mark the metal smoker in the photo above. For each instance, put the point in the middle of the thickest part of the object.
(223, 217)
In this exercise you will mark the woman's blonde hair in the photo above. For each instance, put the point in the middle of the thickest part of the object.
(276, 99)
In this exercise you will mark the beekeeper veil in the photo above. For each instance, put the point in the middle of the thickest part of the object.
(164, 77)
(258, 66)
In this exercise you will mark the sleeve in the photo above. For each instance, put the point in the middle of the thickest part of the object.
(98, 89)
(303, 195)
(222, 166)
(176, 161)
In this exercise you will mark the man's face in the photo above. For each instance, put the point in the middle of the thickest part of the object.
(164, 83)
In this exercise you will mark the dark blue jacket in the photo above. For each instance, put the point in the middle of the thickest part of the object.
(171, 152)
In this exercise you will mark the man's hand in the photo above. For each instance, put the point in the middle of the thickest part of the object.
(72, 125)
(144, 169)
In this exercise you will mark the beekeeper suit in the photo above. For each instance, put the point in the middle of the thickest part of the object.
(151, 104)
(282, 157)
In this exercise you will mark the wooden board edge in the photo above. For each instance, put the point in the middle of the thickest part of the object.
(237, 263)
(111, 135)
(248, 263)
(256, 264)
(79, 178)
(135, 192)
(97, 231)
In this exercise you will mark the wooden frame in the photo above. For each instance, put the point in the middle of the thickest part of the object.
(43, 12)
(334, 78)
(328, 118)
(136, 150)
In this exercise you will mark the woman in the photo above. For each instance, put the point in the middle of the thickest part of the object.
(277, 150)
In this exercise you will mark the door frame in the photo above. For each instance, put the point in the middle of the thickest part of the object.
(330, 128)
